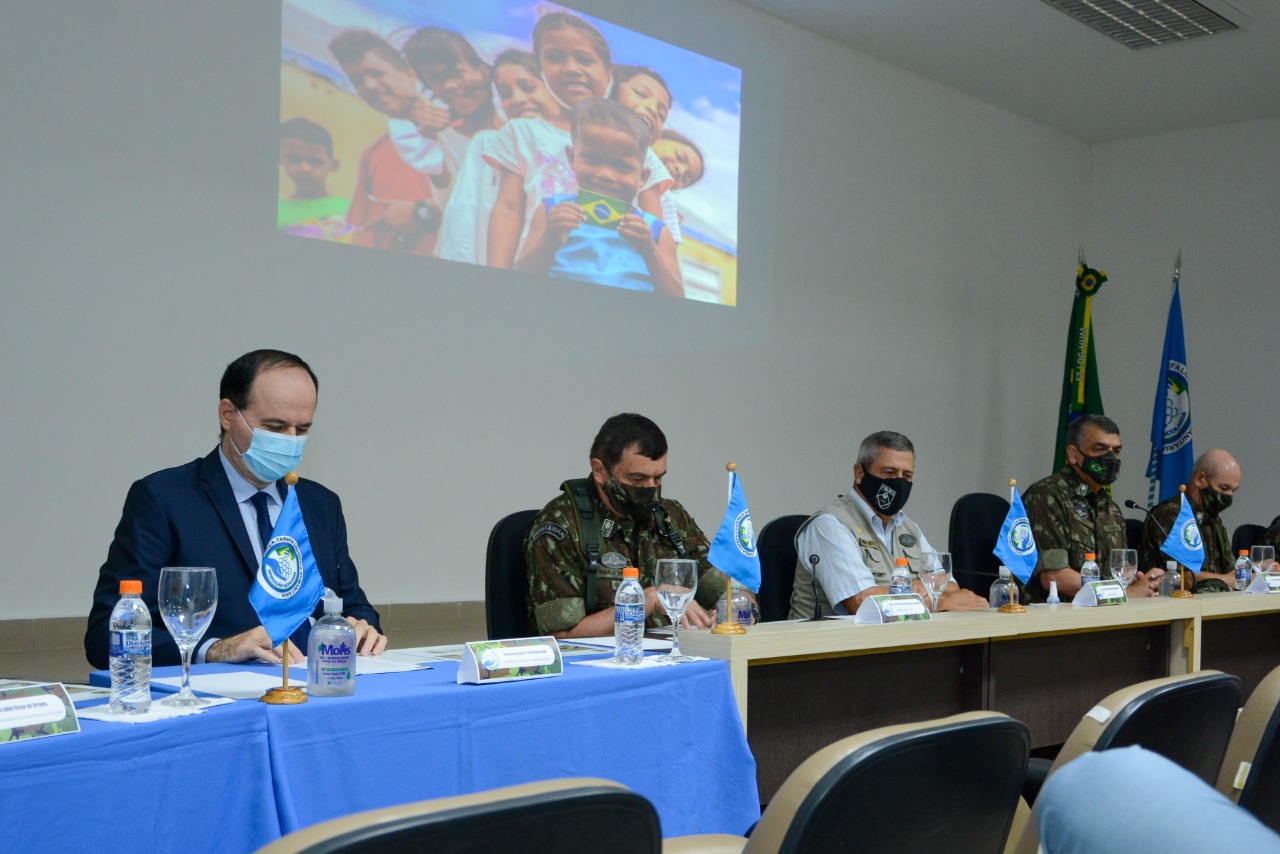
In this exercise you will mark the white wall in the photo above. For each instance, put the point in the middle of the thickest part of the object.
(1214, 193)
(907, 256)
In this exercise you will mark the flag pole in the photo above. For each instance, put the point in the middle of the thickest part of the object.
(286, 694)
(730, 626)
(1182, 592)
(1013, 606)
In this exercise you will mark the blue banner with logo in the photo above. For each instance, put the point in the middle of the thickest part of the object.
(288, 585)
(733, 551)
(1171, 454)
(1016, 547)
(1183, 543)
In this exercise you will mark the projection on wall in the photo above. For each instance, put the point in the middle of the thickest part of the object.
(511, 134)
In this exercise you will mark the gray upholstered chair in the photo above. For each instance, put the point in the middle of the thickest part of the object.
(1253, 754)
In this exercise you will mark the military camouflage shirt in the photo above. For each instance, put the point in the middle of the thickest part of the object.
(1271, 537)
(1217, 545)
(557, 557)
(1069, 519)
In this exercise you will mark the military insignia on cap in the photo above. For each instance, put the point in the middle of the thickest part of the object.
(607, 526)
(613, 560)
(549, 528)
(907, 540)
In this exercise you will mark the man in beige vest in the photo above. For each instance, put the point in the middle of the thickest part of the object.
(858, 538)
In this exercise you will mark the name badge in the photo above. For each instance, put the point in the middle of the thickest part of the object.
(1264, 582)
(35, 711)
(892, 608)
(1099, 593)
(510, 660)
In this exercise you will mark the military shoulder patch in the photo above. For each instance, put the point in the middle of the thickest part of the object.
(551, 529)
(907, 540)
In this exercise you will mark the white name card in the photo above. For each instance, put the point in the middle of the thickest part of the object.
(511, 660)
(1264, 582)
(892, 608)
(35, 711)
(1098, 593)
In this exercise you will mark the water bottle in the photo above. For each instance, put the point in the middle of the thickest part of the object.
(741, 607)
(900, 581)
(1000, 594)
(628, 619)
(331, 654)
(1171, 581)
(1089, 569)
(1244, 571)
(130, 652)
(1054, 598)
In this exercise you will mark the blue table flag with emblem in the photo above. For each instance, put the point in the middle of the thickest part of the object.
(1183, 543)
(288, 585)
(1171, 453)
(733, 551)
(1016, 546)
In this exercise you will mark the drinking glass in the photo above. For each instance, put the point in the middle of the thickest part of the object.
(188, 597)
(936, 575)
(1263, 558)
(1124, 565)
(677, 581)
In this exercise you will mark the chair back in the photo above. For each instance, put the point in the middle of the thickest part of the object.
(835, 800)
(1254, 755)
(776, 546)
(1246, 537)
(1187, 719)
(546, 816)
(976, 520)
(506, 577)
(1133, 533)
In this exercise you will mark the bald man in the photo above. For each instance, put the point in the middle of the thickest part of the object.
(1215, 477)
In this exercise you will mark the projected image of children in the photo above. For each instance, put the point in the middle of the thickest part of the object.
(513, 134)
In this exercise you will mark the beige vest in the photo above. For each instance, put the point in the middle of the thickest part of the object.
(878, 560)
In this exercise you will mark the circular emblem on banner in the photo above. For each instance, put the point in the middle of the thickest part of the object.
(744, 536)
(1177, 408)
(1020, 539)
(282, 568)
(1191, 535)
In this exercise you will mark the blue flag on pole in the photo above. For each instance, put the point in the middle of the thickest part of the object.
(1016, 547)
(733, 551)
(1183, 543)
(288, 585)
(1171, 454)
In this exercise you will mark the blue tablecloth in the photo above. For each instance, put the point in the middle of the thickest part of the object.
(238, 776)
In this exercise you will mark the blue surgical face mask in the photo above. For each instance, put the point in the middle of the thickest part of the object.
(271, 455)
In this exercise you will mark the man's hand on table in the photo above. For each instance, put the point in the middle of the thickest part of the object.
(368, 641)
(956, 598)
(253, 645)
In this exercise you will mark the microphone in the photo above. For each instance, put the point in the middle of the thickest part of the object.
(1133, 505)
(817, 603)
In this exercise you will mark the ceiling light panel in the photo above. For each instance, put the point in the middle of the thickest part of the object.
(1146, 23)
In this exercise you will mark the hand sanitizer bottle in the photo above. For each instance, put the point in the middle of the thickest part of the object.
(331, 653)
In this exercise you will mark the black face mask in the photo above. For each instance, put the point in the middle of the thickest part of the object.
(634, 502)
(1103, 469)
(1214, 501)
(886, 495)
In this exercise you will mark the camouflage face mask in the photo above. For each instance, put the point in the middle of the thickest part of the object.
(1102, 469)
(634, 502)
(1214, 501)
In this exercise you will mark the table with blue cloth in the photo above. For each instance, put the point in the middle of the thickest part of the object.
(240, 775)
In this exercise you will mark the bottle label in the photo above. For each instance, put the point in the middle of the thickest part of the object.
(333, 665)
(130, 642)
(628, 613)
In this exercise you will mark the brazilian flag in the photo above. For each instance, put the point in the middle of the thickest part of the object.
(1081, 394)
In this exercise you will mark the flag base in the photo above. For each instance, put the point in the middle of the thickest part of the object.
(729, 627)
(285, 695)
(1182, 594)
(1012, 608)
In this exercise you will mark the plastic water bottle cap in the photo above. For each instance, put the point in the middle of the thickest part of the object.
(1004, 573)
(1090, 556)
(332, 602)
(630, 572)
(902, 561)
(130, 587)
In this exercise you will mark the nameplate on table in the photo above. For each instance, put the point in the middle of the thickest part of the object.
(892, 608)
(35, 710)
(510, 660)
(1264, 582)
(1099, 593)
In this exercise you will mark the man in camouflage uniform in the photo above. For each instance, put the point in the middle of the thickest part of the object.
(1215, 477)
(1271, 537)
(1071, 513)
(634, 526)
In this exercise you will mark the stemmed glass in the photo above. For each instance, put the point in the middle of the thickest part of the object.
(677, 581)
(1262, 558)
(1124, 565)
(936, 575)
(188, 597)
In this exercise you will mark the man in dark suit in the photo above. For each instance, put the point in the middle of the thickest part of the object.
(216, 512)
